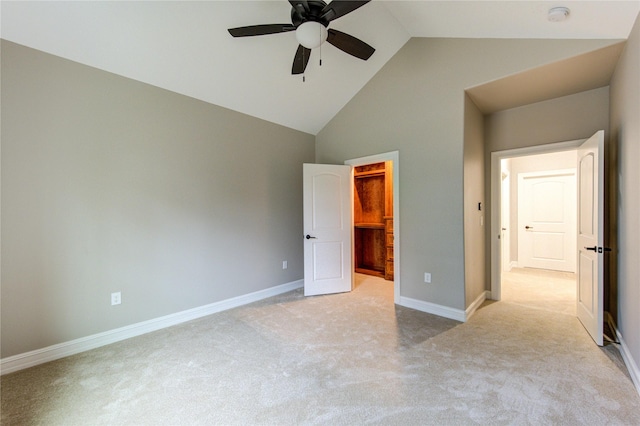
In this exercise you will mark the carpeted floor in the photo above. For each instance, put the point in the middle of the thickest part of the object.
(542, 289)
(343, 359)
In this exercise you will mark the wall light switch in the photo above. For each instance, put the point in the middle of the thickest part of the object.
(284, 264)
(427, 277)
(116, 298)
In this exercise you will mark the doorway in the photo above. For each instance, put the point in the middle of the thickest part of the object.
(590, 223)
(389, 231)
(538, 221)
(373, 219)
(506, 220)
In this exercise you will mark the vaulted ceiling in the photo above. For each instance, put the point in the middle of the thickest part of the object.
(184, 46)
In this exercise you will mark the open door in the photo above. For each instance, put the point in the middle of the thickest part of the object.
(327, 228)
(590, 264)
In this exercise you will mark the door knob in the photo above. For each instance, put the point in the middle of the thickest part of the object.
(598, 249)
(308, 237)
(528, 227)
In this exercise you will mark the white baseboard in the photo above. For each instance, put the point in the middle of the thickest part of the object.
(634, 371)
(476, 304)
(61, 350)
(432, 308)
(513, 264)
(445, 311)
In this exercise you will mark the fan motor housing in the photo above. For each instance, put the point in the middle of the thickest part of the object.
(299, 15)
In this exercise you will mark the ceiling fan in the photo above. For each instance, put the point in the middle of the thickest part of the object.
(310, 19)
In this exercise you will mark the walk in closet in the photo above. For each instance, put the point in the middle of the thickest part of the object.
(373, 219)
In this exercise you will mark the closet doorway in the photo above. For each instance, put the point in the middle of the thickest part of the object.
(373, 219)
(376, 214)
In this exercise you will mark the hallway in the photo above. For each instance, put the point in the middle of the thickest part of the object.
(541, 289)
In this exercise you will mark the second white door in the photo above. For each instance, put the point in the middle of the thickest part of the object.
(547, 220)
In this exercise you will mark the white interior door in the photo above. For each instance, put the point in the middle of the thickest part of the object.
(327, 228)
(590, 292)
(547, 220)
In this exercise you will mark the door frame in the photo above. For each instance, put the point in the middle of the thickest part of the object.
(394, 157)
(505, 220)
(496, 156)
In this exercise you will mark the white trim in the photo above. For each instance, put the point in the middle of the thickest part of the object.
(634, 371)
(61, 350)
(445, 311)
(496, 156)
(432, 308)
(473, 307)
(393, 156)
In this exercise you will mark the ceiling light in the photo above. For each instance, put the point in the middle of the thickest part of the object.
(311, 34)
(558, 14)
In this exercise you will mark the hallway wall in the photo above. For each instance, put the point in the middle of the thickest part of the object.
(625, 137)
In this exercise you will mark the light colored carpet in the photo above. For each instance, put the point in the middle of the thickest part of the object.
(541, 289)
(343, 359)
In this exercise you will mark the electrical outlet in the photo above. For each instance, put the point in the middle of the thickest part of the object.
(285, 265)
(116, 298)
(427, 277)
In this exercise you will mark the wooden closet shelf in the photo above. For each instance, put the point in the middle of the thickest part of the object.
(369, 225)
(369, 173)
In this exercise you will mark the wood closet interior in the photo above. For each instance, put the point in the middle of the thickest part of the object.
(373, 219)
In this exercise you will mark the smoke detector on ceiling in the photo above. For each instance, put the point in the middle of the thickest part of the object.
(558, 14)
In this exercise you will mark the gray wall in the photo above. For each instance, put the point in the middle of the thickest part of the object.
(416, 104)
(557, 120)
(112, 185)
(474, 193)
(625, 138)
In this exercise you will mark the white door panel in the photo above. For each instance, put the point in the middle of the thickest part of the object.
(327, 229)
(590, 241)
(546, 220)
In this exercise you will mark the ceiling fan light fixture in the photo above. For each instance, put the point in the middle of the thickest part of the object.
(558, 14)
(310, 20)
(311, 34)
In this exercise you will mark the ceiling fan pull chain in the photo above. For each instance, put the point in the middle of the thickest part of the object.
(320, 30)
